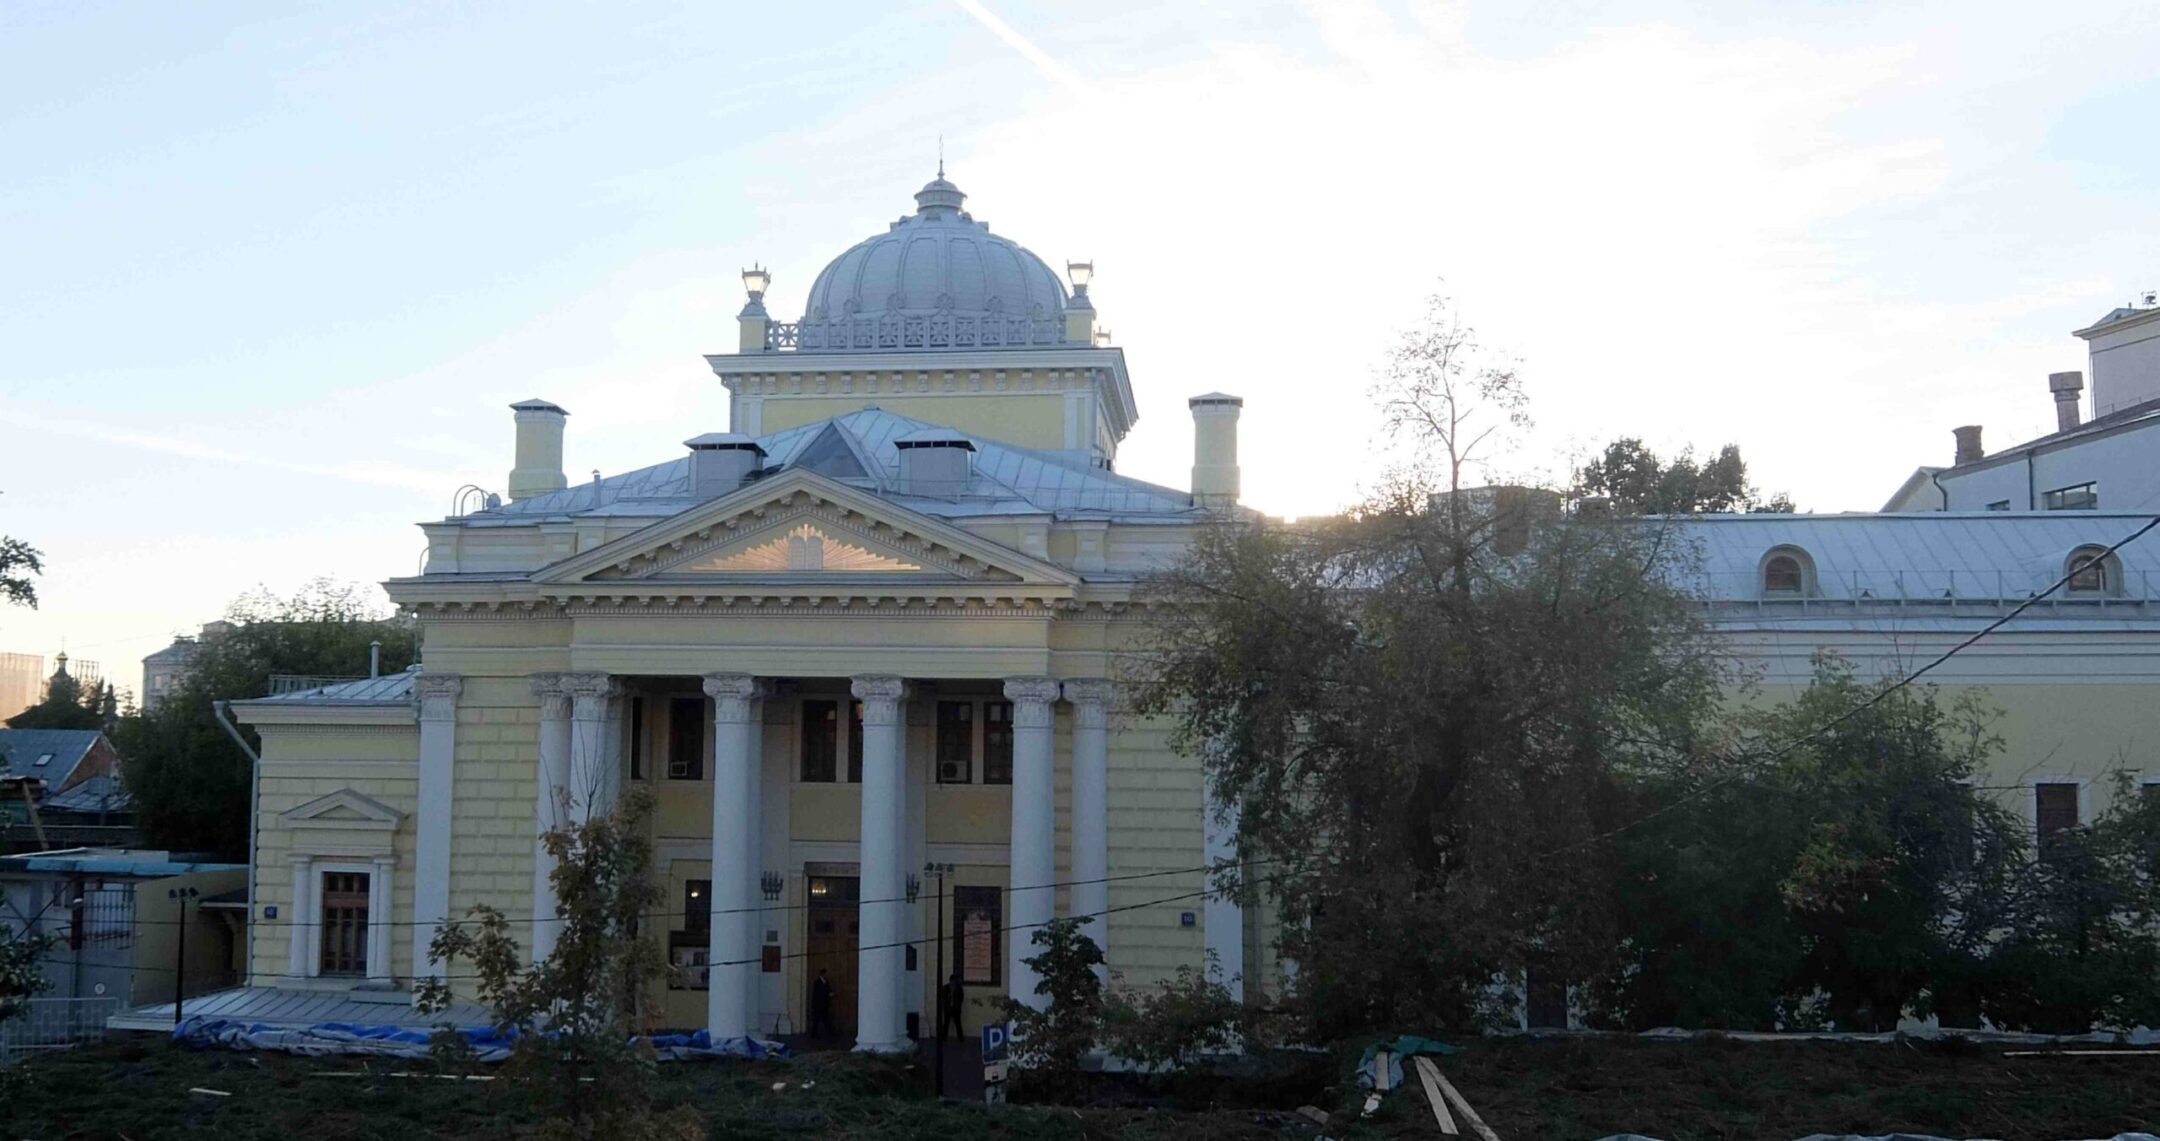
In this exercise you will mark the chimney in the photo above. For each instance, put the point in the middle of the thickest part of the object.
(1968, 444)
(2067, 387)
(721, 461)
(539, 449)
(935, 462)
(1215, 466)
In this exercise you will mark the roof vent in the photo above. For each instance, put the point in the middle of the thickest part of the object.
(2068, 387)
(721, 461)
(935, 462)
(1968, 444)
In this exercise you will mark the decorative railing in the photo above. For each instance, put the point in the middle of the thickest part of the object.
(299, 683)
(928, 331)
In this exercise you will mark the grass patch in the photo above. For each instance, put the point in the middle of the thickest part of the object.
(1554, 1090)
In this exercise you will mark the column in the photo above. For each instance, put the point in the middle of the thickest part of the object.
(302, 921)
(592, 784)
(1089, 894)
(1222, 917)
(552, 776)
(1033, 893)
(881, 982)
(378, 924)
(731, 1003)
(436, 694)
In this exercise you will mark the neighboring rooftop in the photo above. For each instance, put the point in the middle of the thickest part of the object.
(145, 863)
(389, 689)
(49, 755)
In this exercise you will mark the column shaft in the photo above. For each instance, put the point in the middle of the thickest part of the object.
(880, 989)
(378, 928)
(1034, 832)
(1222, 917)
(553, 779)
(1089, 894)
(302, 921)
(731, 1002)
(592, 752)
(436, 695)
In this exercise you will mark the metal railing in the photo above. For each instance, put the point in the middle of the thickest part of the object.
(2132, 589)
(929, 331)
(54, 1024)
(297, 683)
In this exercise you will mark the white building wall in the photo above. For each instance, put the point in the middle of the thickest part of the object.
(2126, 363)
(2125, 464)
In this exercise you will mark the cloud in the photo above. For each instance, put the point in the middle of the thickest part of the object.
(1051, 69)
(372, 472)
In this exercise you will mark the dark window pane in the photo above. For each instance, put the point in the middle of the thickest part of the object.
(686, 739)
(2088, 571)
(997, 742)
(344, 923)
(978, 935)
(637, 738)
(854, 743)
(955, 742)
(820, 740)
(2055, 807)
(1781, 575)
(697, 905)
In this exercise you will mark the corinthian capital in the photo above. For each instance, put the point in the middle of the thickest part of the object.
(880, 695)
(1032, 698)
(590, 694)
(436, 695)
(735, 696)
(1091, 699)
(554, 696)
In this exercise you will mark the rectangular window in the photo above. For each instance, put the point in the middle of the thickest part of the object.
(955, 742)
(978, 930)
(820, 741)
(637, 738)
(2055, 808)
(2077, 497)
(344, 923)
(997, 742)
(697, 905)
(1999, 505)
(686, 739)
(854, 743)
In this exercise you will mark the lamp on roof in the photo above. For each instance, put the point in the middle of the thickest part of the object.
(1080, 273)
(757, 279)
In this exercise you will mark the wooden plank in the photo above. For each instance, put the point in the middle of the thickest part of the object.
(1383, 1070)
(1429, 1076)
(1463, 1107)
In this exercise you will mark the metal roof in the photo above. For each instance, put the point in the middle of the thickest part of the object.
(21, 750)
(389, 689)
(1929, 555)
(1007, 479)
(101, 793)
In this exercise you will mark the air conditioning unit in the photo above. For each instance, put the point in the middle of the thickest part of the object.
(952, 772)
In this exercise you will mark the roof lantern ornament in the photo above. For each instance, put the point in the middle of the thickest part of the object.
(1080, 273)
(938, 198)
(757, 279)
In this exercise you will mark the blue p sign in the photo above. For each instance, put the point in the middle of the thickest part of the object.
(994, 1037)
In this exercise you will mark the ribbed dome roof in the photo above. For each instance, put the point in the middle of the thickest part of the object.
(936, 260)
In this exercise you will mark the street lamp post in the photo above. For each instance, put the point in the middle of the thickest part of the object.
(180, 895)
(940, 871)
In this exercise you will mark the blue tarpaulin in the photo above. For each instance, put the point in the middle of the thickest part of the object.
(489, 1044)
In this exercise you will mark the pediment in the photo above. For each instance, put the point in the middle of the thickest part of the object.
(343, 809)
(802, 529)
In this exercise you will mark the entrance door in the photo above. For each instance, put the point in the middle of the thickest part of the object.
(835, 925)
(344, 923)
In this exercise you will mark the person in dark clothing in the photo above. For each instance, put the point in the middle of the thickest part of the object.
(955, 997)
(821, 1025)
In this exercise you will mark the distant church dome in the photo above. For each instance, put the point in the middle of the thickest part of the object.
(938, 260)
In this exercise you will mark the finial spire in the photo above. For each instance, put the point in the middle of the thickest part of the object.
(941, 156)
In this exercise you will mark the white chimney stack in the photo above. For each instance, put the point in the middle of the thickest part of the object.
(2068, 387)
(1215, 466)
(721, 461)
(539, 449)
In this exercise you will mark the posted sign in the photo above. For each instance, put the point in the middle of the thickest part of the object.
(995, 1038)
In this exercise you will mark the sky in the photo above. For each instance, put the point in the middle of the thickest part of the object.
(270, 274)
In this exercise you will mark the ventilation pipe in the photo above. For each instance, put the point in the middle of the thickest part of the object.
(1215, 466)
(935, 462)
(539, 449)
(1968, 444)
(721, 461)
(2068, 387)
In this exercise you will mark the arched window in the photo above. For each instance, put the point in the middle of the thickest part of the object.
(1785, 572)
(2089, 571)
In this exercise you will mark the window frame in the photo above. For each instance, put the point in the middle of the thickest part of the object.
(1803, 564)
(2087, 497)
(846, 740)
(990, 775)
(2080, 787)
(961, 893)
(971, 747)
(2094, 559)
(692, 769)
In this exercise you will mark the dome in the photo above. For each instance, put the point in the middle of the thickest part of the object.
(936, 261)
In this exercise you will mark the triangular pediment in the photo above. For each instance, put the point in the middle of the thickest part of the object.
(802, 529)
(343, 809)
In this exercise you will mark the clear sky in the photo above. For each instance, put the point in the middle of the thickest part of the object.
(269, 274)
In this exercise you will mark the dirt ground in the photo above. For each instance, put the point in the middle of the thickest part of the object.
(140, 1089)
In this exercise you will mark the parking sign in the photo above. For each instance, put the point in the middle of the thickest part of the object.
(994, 1037)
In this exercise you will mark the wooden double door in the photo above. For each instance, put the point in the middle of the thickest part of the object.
(835, 921)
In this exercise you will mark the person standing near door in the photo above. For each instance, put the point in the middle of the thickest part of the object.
(955, 997)
(821, 1024)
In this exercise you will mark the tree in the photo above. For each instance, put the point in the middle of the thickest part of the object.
(1632, 480)
(1183, 1020)
(67, 705)
(189, 782)
(1049, 1043)
(1424, 709)
(19, 561)
(574, 1014)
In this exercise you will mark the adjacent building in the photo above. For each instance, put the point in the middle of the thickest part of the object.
(22, 682)
(164, 669)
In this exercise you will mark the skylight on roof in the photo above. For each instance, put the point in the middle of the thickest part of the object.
(42, 761)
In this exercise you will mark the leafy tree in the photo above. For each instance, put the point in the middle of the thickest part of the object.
(1634, 481)
(575, 1014)
(1049, 1044)
(18, 562)
(1425, 709)
(1183, 1020)
(190, 784)
(22, 977)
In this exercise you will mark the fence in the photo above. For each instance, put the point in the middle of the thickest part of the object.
(54, 1024)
